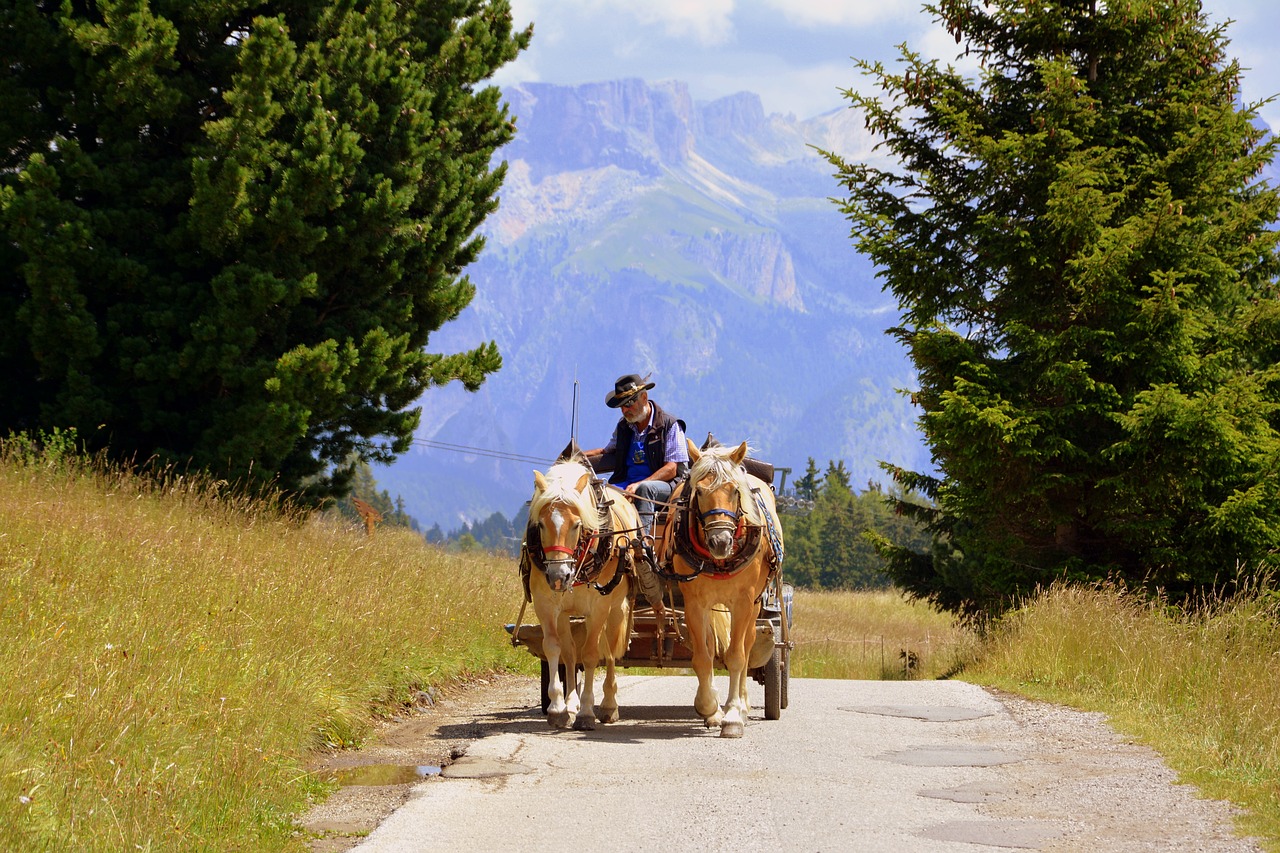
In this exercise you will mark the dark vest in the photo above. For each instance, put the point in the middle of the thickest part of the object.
(655, 443)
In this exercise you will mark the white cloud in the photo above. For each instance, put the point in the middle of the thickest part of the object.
(811, 13)
(937, 43)
(706, 22)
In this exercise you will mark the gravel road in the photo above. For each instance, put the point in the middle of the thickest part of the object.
(936, 766)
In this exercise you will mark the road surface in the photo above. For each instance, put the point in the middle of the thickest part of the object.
(935, 766)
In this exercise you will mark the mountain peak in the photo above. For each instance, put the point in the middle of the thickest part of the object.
(741, 114)
(640, 231)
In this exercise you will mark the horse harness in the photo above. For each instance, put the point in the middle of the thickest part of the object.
(590, 556)
(689, 545)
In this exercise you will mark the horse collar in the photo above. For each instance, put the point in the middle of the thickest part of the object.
(688, 545)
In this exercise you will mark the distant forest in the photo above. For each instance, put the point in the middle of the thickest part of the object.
(827, 528)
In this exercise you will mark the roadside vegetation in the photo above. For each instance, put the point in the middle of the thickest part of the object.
(172, 655)
(1199, 684)
(875, 634)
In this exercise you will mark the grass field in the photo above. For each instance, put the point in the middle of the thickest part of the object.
(876, 635)
(170, 658)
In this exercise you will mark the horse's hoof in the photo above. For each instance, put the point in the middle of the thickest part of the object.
(608, 715)
(731, 730)
(585, 723)
(558, 720)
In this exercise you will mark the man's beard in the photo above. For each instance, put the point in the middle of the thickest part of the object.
(639, 416)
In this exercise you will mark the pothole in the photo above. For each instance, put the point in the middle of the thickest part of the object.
(1023, 835)
(951, 756)
(467, 767)
(928, 713)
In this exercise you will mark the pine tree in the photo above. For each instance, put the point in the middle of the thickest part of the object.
(837, 543)
(227, 230)
(837, 475)
(809, 484)
(1081, 249)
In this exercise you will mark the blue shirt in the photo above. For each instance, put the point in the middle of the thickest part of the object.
(675, 449)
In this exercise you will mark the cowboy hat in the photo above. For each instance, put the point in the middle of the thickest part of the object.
(625, 388)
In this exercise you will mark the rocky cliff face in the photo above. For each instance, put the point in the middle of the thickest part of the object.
(641, 231)
(759, 264)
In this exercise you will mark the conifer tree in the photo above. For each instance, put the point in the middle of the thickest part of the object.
(227, 230)
(1081, 247)
(808, 485)
(837, 475)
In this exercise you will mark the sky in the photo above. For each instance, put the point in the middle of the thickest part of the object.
(795, 54)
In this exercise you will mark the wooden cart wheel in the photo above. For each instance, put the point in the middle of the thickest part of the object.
(786, 676)
(773, 686)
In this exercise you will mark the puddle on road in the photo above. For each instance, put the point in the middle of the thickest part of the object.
(377, 775)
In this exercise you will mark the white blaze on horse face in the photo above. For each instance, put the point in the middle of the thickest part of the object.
(557, 562)
(558, 523)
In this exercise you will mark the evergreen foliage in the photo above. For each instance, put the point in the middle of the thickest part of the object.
(494, 534)
(833, 546)
(227, 229)
(1082, 250)
(365, 488)
(810, 483)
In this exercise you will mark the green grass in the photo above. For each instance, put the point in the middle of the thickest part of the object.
(1202, 688)
(171, 658)
(866, 634)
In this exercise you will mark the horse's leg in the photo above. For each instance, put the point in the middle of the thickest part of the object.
(742, 633)
(705, 701)
(735, 660)
(557, 713)
(614, 646)
(586, 719)
(570, 657)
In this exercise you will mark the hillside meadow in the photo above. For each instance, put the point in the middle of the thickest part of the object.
(172, 654)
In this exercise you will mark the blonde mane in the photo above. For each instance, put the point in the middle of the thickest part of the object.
(562, 488)
(715, 463)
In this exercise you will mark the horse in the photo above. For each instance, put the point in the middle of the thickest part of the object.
(725, 542)
(583, 551)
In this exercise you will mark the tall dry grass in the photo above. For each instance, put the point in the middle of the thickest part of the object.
(169, 656)
(1201, 686)
(875, 635)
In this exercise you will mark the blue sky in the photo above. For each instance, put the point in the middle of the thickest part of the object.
(795, 54)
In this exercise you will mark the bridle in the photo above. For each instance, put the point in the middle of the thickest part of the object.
(592, 553)
(734, 523)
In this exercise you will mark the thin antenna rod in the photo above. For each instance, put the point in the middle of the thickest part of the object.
(573, 421)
